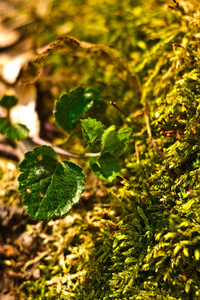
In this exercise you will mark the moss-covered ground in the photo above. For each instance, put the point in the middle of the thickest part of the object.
(138, 237)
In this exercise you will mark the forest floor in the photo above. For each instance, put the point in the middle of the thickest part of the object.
(39, 258)
(141, 56)
(46, 256)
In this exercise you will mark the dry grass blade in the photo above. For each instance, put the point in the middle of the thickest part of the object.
(98, 53)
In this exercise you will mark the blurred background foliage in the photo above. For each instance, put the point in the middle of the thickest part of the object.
(132, 27)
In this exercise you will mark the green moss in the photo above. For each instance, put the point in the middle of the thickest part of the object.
(156, 251)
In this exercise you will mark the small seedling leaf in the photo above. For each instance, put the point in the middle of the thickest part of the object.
(71, 106)
(4, 124)
(115, 142)
(49, 187)
(106, 167)
(123, 138)
(92, 130)
(8, 101)
(109, 139)
(17, 132)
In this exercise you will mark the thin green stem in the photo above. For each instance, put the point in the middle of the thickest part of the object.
(85, 150)
(8, 114)
(71, 135)
(68, 138)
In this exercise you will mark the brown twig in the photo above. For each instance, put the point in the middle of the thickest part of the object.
(14, 153)
(38, 141)
(8, 152)
(137, 153)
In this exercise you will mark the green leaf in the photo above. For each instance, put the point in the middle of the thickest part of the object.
(92, 130)
(71, 106)
(17, 132)
(98, 103)
(49, 187)
(109, 139)
(123, 138)
(4, 124)
(106, 167)
(115, 142)
(13, 131)
(8, 101)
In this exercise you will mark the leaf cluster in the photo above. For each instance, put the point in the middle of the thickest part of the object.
(11, 131)
(50, 187)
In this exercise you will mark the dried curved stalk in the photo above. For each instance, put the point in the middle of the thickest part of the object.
(111, 56)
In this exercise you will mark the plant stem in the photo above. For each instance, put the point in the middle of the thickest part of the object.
(150, 135)
(71, 135)
(8, 114)
(85, 150)
(40, 142)
(68, 138)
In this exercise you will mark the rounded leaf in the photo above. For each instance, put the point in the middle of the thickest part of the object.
(8, 101)
(17, 132)
(71, 106)
(106, 167)
(49, 187)
(109, 139)
(115, 142)
(92, 130)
